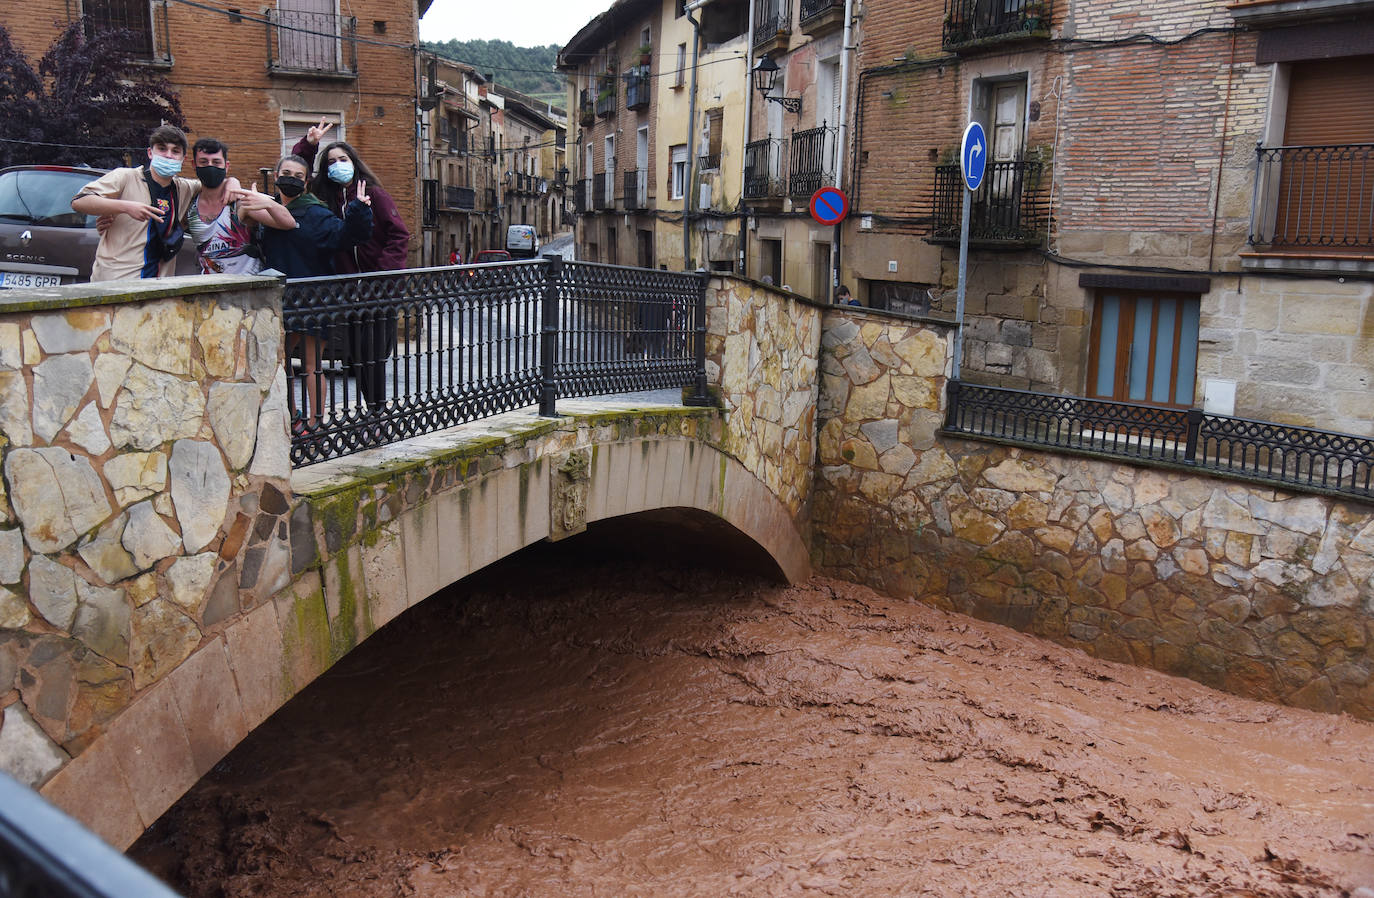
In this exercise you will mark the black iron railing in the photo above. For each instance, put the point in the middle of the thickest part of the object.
(1295, 457)
(142, 25)
(46, 854)
(399, 354)
(1314, 196)
(810, 157)
(461, 199)
(582, 195)
(763, 175)
(605, 95)
(637, 189)
(301, 42)
(810, 9)
(970, 22)
(771, 19)
(1010, 206)
(586, 107)
(430, 196)
(603, 191)
(637, 88)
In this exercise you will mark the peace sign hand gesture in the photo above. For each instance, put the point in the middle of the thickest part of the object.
(362, 193)
(318, 131)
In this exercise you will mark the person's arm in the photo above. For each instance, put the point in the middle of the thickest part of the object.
(331, 232)
(259, 207)
(309, 145)
(392, 235)
(103, 196)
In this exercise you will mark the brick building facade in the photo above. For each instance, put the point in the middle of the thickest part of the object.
(257, 78)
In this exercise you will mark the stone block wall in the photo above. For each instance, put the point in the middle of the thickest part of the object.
(1254, 590)
(146, 475)
(763, 352)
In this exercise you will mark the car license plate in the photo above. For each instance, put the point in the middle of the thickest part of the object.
(13, 279)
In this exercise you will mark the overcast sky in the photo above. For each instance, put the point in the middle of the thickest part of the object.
(525, 23)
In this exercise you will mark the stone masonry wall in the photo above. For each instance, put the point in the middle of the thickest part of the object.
(762, 352)
(146, 474)
(1254, 590)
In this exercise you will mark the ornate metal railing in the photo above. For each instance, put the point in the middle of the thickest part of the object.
(637, 189)
(638, 86)
(606, 95)
(977, 21)
(462, 199)
(582, 195)
(141, 23)
(301, 42)
(810, 9)
(381, 357)
(809, 169)
(771, 19)
(46, 854)
(1296, 457)
(603, 190)
(1010, 206)
(586, 107)
(763, 176)
(1314, 196)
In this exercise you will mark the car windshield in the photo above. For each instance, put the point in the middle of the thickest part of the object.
(43, 197)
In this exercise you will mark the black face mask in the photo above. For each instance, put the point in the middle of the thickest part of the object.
(211, 175)
(291, 187)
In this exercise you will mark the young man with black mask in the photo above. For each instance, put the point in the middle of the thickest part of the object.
(147, 209)
(221, 218)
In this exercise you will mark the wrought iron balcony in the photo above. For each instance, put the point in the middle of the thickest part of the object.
(430, 195)
(142, 24)
(811, 161)
(636, 189)
(637, 88)
(586, 107)
(460, 199)
(312, 43)
(1010, 208)
(970, 24)
(1314, 198)
(763, 173)
(603, 191)
(772, 25)
(606, 96)
(582, 195)
(821, 16)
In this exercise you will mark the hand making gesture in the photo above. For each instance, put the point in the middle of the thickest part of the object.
(362, 193)
(250, 199)
(140, 211)
(318, 131)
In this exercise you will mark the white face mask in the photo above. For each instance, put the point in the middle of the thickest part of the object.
(165, 166)
(341, 172)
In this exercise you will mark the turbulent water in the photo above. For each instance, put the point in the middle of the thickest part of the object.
(572, 725)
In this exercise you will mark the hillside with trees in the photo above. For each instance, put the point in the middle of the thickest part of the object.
(527, 69)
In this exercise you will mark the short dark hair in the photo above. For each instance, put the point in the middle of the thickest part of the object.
(210, 147)
(168, 135)
(292, 157)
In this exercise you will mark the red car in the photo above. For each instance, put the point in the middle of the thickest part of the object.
(492, 255)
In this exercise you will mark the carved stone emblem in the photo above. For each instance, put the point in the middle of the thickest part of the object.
(568, 497)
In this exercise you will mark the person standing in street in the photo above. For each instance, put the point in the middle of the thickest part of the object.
(339, 177)
(146, 209)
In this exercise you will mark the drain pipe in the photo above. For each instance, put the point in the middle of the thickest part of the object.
(841, 141)
(688, 199)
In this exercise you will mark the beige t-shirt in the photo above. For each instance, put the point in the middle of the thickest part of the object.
(120, 254)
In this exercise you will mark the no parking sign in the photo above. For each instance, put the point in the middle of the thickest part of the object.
(829, 205)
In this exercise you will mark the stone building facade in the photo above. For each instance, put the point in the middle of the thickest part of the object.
(258, 78)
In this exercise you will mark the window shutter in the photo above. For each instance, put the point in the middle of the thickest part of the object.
(1330, 101)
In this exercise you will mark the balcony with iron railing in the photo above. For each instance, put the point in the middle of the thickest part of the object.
(1313, 202)
(972, 24)
(1010, 208)
(459, 199)
(603, 191)
(606, 96)
(586, 107)
(582, 195)
(819, 17)
(764, 177)
(430, 196)
(636, 189)
(810, 161)
(312, 43)
(772, 25)
(637, 88)
(142, 25)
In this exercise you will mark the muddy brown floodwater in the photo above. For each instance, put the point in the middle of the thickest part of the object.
(572, 726)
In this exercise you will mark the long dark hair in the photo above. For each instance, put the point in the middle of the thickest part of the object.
(323, 187)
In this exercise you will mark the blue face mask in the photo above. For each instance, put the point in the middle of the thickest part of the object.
(165, 166)
(341, 172)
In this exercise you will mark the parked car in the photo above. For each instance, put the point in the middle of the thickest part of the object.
(492, 255)
(43, 243)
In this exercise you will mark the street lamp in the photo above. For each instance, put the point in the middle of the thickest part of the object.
(766, 78)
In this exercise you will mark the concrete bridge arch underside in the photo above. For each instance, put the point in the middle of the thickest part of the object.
(371, 538)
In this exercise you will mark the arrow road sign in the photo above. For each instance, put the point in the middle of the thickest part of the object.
(973, 155)
(829, 205)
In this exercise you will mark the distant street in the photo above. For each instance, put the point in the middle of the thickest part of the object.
(564, 245)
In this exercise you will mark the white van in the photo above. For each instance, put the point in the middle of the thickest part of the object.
(521, 241)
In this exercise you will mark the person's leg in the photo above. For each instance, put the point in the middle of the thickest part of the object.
(314, 353)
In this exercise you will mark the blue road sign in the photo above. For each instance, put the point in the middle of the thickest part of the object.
(973, 155)
(829, 205)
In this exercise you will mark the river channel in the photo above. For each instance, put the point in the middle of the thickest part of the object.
(582, 720)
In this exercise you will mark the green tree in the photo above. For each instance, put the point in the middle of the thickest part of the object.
(526, 69)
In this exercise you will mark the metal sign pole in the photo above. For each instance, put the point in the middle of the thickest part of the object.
(963, 276)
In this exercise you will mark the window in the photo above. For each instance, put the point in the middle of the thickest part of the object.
(678, 172)
(681, 65)
(1144, 347)
(610, 171)
(133, 16)
(679, 9)
(714, 120)
(770, 261)
(295, 124)
(307, 39)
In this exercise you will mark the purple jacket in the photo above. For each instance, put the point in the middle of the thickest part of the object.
(386, 250)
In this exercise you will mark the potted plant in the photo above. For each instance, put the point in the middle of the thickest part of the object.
(1037, 15)
(646, 54)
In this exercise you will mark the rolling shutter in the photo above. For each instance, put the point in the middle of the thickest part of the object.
(1330, 101)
